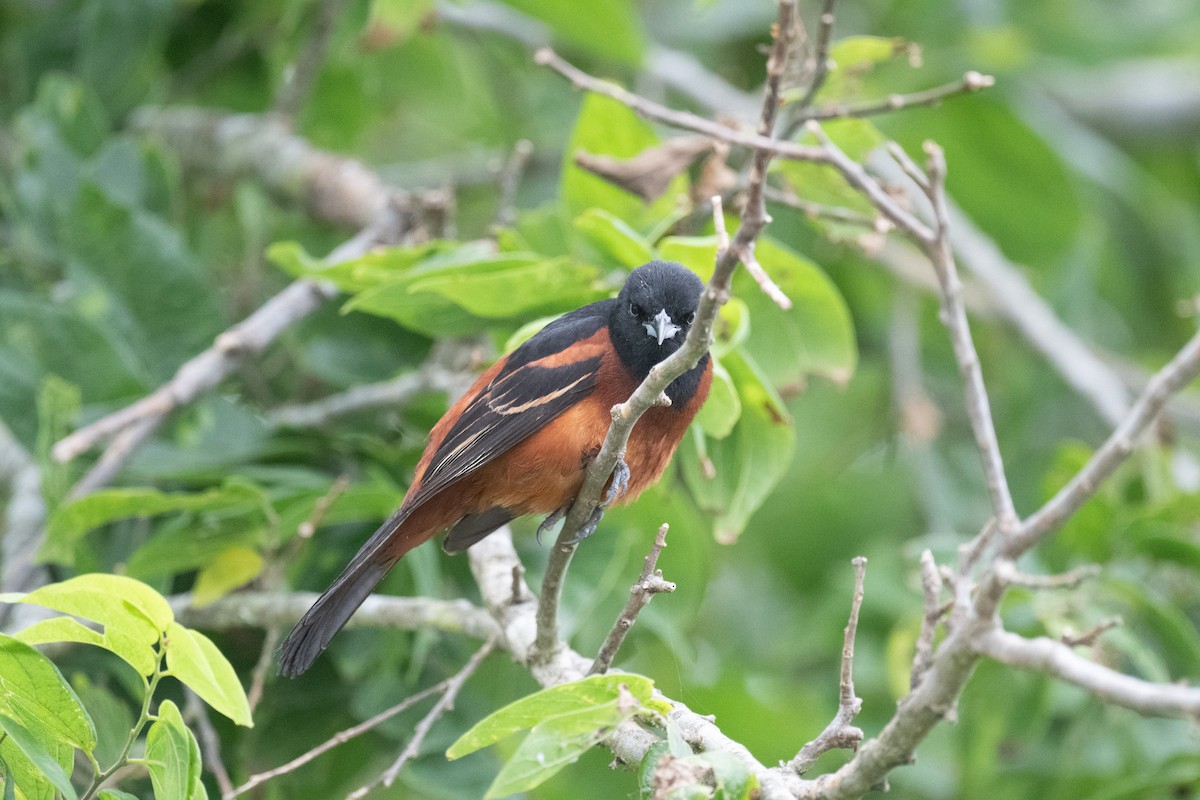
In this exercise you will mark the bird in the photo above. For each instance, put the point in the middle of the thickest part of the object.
(519, 440)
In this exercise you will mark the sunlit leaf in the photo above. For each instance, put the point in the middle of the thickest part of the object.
(567, 698)
(172, 755)
(196, 661)
(134, 650)
(614, 238)
(39, 754)
(232, 567)
(34, 693)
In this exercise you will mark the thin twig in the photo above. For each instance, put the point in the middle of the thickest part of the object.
(814, 210)
(1089, 637)
(818, 66)
(122, 447)
(510, 181)
(1067, 580)
(444, 704)
(210, 743)
(262, 667)
(1055, 658)
(649, 583)
(954, 316)
(301, 75)
(931, 584)
(840, 733)
(970, 83)
(1178, 373)
(332, 742)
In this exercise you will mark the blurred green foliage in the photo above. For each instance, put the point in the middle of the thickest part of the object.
(116, 266)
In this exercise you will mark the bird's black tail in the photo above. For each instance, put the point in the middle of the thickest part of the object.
(315, 629)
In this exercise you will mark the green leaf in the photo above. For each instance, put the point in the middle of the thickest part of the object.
(750, 461)
(26, 781)
(677, 745)
(39, 756)
(232, 567)
(606, 127)
(565, 698)
(196, 661)
(71, 521)
(614, 238)
(116, 794)
(172, 755)
(498, 287)
(554, 743)
(610, 29)
(733, 779)
(721, 410)
(136, 652)
(120, 604)
(34, 693)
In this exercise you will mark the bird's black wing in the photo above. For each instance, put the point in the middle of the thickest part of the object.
(539, 381)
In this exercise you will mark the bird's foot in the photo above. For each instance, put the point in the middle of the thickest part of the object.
(617, 487)
(550, 521)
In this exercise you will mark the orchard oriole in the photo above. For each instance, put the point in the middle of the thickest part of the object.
(519, 440)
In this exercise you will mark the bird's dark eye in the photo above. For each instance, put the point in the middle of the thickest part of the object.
(637, 310)
(691, 318)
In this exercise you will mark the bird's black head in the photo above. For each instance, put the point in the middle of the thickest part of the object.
(652, 317)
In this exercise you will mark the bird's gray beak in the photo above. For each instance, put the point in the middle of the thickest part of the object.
(661, 327)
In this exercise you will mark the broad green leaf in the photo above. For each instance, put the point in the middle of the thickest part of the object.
(73, 520)
(116, 794)
(182, 545)
(614, 238)
(606, 127)
(566, 698)
(28, 781)
(34, 693)
(355, 275)
(732, 328)
(499, 288)
(122, 605)
(233, 567)
(136, 652)
(721, 410)
(750, 461)
(196, 661)
(554, 743)
(39, 755)
(610, 30)
(172, 755)
(677, 745)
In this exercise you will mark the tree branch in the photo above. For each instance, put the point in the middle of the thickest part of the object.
(649, 583)
(272, 609)
(970, 83)
(700, 336)
(1057, 659)
(840, 733)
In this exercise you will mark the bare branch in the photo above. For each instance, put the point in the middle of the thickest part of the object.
(818, 65)
(397, 391)
(301, 75)
(817, 210)
(931, 584)
(970, 83)
(444, 704)
(124, 444)
(840, 733)
(510, 181)
(955, 318)
(1169, 380)
(210, 743)
(649, 583)
(271, 609)
(338, 738)
(1067, 580)
(1089, 637)
(1057, 659)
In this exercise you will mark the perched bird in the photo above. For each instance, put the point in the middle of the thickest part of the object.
(519, 440)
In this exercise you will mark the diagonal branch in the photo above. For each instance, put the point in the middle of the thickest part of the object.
(700, 337)
(648, 584)
(1057, 659)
